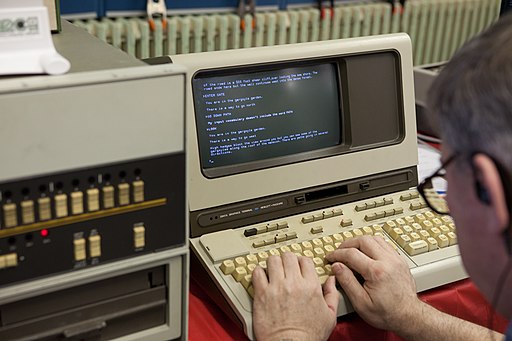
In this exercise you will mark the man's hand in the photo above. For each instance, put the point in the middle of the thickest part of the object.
(387, 298)
(290, 304)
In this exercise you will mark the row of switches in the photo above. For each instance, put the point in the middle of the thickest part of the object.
(79, 245)
(94, 241)
(76, 203)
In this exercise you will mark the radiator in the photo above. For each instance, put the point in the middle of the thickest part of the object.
(437, 27)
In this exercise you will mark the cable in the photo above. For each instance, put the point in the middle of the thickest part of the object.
(497, 294)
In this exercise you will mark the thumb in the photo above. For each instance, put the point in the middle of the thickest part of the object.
(331, 295)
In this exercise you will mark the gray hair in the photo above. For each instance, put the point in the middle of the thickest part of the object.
(471, 99)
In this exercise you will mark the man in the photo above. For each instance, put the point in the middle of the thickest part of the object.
(473, 98)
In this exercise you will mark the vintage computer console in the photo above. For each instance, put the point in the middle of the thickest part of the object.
(93, 219)
(298, 147)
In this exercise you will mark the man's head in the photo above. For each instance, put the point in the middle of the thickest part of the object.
(472, 102)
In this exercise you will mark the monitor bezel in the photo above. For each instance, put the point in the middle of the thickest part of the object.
(238, 168)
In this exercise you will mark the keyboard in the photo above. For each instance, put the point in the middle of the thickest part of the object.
(427, 241)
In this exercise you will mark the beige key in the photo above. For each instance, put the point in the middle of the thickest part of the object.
(93, 199)
(296, 248)
(307, 245)
(280, 238)
(317, 261)
(328, 214)
(285, 248)
(389, 225)
(239, 273)
(291, 235)
(227, 266)
(337, 238)
(308, 253)
(403, 240)
(432, 244)
(251, 259)
(330, 248)
(416, 248)
(424, 234)
(409, 220)
(251, 267)
(138, 191)
(429, 215)
(444, 229)
(400, 222)
(347, 235)
(357, 232)
(437, 222)
(416, 227)
(446, 219)
(414, 236)
(246, 281)
(262, 255)
(407, 229)
(27, 212)
(327, 240)
(323, 279)
(395, 233)
(328, 269)
(272, 227)
(61, 205)
(45, 212)
(317, 243)
(274, 252)
(427, 224)
(419, 217)
(317, 229)
(307, 219)
(77, 203)
(377, 228)
(346, 222)
(240, 261)
(282, 225)
(442, 240)
(452, 237)
(337, 211)
(263, 264)
(258, 243)
(367, 230)
(434, 232)
(320, 271)
(319, 252)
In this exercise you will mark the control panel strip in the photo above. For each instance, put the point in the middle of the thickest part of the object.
(82, 217)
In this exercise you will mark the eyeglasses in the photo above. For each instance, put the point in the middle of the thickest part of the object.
(428, 189)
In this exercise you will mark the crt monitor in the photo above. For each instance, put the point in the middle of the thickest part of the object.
(275, 130)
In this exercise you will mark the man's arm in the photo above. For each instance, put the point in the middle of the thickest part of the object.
(387, 298)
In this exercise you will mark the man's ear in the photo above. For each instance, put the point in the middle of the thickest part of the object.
(489, 188)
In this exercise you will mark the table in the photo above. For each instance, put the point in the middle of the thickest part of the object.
(208, 321)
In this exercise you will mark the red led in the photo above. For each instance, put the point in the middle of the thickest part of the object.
(44, 233)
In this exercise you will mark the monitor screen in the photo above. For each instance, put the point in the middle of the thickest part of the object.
(266, 115)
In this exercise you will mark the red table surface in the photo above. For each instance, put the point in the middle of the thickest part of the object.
(208, 321)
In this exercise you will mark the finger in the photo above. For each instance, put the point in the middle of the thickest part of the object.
(354, 290)
(307, 268)
(290, 265)
(275, 268)
(331, 295)
(259, 280)
(367, 244)
(354, 259)
(385, 245)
